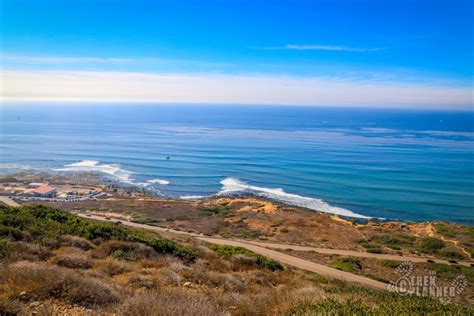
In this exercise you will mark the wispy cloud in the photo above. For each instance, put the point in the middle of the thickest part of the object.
(60, 60)
(54, 60)
(111, 86)
(321, 47)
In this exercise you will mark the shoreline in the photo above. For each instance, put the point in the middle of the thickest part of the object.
(98, 178)
(245, 215)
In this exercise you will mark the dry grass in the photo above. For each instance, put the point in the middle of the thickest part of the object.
(130, 278)
(28, 252)
(75, 241)
(112, 266)
(131, 251)
(41, 281)
(178, 302)
(73, 260)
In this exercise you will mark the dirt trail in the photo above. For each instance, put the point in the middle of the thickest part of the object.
(263, 249)
(352, 253)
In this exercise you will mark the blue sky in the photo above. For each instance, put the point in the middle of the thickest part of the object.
(416, 46)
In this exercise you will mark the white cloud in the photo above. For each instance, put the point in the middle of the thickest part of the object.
(237, 89)
(321, 47)
(59, 60)
(7, 59)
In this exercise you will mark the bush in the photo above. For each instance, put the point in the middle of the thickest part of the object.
(75, 241)
(220, 210)
(444, 230)
(28, 251)
(284, 230)
(113, 267)
(451, 271)
(430, 245)
(389, 263)
(73, 261)
(385, 304)
(347, 264)
(46, 282)
(144, 220)
(170, 302)
(5, 247)
(276, 224)
(375, 250)
(262, 262)
(42, 221)
(450, 254)
(125, 250)
(394, 242)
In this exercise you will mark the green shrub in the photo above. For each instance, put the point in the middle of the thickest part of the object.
(220, 210)
(346, 264)
(394, 242)
(376, 302)
(375, 250)
(10, 232)
(444, 230)
(430, 245)
(41, 221)
(471, 252)
(285, 230)
(262, 262)
(5, 247)
(144, 220)
(360, 240)
(451, 271)
(469, 231)
(248, 233)
(450, 254)
(277, 224)
(389, 263)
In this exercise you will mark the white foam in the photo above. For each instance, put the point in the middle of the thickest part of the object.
(158, 181)
(14, 166)
(95, 166)
(113, 170)
(234, 185)
(192, 197)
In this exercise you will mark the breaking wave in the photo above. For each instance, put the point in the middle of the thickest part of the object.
(95, 166)
(233, 186)
(113, 170)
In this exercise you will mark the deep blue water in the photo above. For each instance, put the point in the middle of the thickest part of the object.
(397, 164)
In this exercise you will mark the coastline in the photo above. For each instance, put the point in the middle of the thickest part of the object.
(239, 213)
(298, 235)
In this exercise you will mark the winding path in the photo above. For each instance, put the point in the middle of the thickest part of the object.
(263, 248)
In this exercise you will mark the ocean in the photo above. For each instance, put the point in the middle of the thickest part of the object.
(409, 165)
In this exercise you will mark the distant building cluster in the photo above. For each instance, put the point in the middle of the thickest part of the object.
(46, 191)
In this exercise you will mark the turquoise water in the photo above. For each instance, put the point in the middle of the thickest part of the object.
(407, 165)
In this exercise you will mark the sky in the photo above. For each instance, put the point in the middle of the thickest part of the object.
(409, 54)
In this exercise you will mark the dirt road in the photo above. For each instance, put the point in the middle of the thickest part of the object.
(263, 249)
(352, 253)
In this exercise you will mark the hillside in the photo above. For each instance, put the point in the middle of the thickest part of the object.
(56, 262)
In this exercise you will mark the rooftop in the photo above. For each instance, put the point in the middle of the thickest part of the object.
(43, 189)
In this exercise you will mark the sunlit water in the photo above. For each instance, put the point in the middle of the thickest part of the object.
(408, 165)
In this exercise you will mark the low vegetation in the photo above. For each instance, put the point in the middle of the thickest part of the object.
(389, 263)
(444, 230)
(261, 261)
(38, 222)
(430, 245)
(346, 264)
(55, 263)
(349, 300)
(215, 209)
